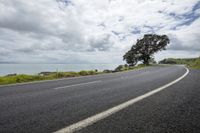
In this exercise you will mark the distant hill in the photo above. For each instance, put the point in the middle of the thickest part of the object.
(7, 62)
(190, 62)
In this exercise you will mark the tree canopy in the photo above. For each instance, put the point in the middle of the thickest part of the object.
(144, 48)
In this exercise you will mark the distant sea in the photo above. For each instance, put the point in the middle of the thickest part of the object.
(37, 68)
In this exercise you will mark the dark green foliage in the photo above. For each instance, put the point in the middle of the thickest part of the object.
(144, 49)
(84, 73)
(167, 61)
(152, 61)
(119, 68)
(190, 62)
(107, 71)
(126, 67)
(131, 58)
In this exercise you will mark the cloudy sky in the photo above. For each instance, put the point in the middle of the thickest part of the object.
(94, 31)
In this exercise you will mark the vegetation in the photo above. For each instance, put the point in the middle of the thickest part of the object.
(143, 51)
(145, 48)
(190, 62)
(126, 67)
(10, 79)
(21, 78)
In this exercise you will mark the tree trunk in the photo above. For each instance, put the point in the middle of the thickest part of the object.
(146, 61)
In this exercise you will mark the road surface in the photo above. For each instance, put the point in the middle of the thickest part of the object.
(51, 106)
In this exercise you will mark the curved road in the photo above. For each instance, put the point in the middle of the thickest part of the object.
(49, 106)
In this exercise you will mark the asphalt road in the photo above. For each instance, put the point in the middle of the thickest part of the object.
(50, 106)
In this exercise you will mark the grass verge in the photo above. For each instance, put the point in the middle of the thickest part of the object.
(22, 78)
(193, 63)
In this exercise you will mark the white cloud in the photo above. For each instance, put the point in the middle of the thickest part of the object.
(186, 37)
(93, 31)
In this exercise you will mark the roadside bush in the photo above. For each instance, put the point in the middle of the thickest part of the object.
(71, 74)
(107, 71)
(119, 68)
(83, 73)
(92, 72)
(60, 75)
(24, 78)
(14, 78)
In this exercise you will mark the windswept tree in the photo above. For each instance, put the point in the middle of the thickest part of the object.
(145, 48)
(131, 58)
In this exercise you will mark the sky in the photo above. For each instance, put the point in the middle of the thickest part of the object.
(94, 31)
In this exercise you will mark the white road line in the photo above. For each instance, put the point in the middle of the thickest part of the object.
(62, 87)
(93, 119)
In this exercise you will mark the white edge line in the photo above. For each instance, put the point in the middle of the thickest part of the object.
(93, 119)
(62, 87)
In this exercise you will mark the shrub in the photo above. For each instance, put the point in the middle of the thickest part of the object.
(107, 71)
(83, 73)
(119, 68)
(71, 74)
(92, 72)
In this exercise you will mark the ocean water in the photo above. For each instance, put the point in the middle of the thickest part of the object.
(37, 68)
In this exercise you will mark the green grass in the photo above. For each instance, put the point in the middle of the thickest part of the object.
(190, 62)
(126, 67)
(21, 78)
